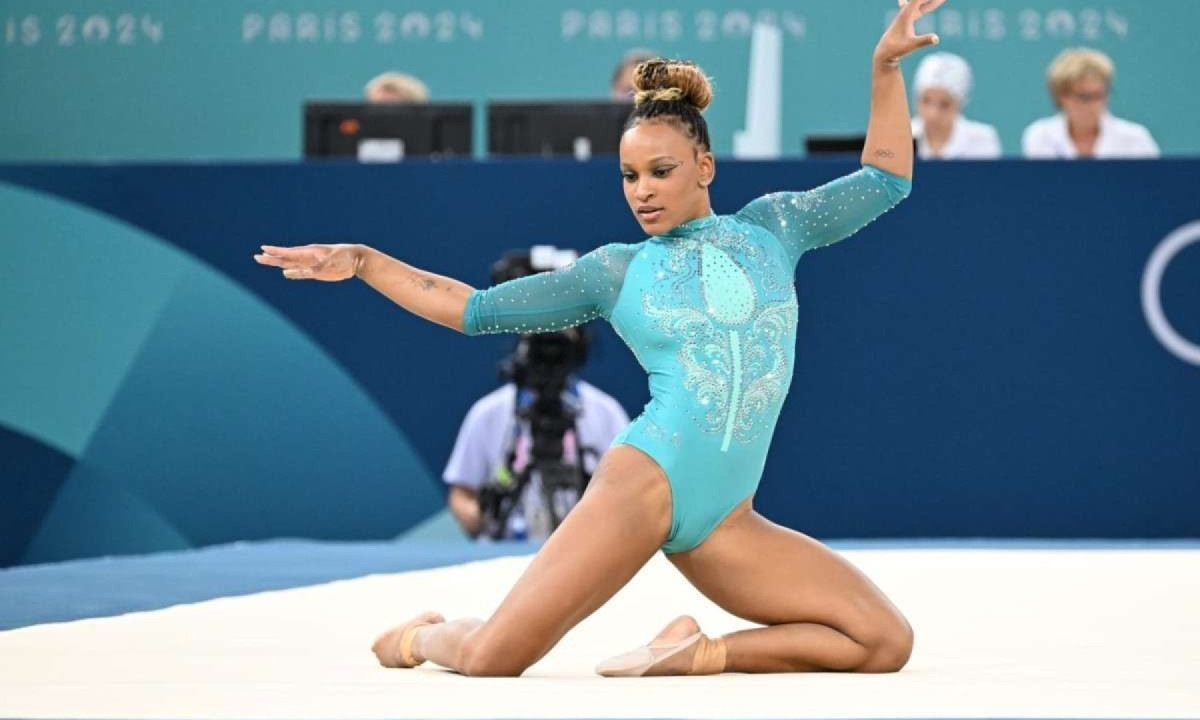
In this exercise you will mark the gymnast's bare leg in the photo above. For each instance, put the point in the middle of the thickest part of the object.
(820, 612)
(618, 525)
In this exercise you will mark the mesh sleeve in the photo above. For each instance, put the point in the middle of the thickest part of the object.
(824, 215)
(570, 296)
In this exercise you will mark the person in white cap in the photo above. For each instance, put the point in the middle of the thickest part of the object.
(1080, 81)
(942, 86)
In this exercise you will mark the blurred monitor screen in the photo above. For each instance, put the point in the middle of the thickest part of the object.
(386, 132)
(578, 129)
(830, 145)
(834, 144)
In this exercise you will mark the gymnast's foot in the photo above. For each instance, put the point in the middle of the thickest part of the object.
(396, 647)
(680, 649)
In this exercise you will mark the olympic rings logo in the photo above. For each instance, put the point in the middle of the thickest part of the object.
(1156, 267)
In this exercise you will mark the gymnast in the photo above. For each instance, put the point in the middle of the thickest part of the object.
(707, 304)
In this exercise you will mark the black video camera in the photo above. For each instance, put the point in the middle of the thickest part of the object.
(541, 367)
(542, 362)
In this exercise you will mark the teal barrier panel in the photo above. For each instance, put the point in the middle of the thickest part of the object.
(128, 372)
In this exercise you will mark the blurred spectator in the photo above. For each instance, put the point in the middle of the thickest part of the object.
(942, 86)
(621, 85)
(1080, 81)
(396, 87)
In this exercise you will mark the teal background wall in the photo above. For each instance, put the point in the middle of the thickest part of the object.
(123, 360)
(154, 80)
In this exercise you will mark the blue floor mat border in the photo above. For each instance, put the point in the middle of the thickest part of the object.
(102, 587)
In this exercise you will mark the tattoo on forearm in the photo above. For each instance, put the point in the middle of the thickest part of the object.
(424, 283)
(885, 153)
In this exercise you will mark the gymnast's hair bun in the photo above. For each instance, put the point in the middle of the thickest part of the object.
(662, 80)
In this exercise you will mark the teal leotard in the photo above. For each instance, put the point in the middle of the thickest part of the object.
(709, 310)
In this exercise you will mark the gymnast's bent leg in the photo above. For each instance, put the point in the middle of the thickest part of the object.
(820, 612)
(617, 526)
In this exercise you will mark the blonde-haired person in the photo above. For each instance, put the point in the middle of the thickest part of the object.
(395, 87)
(1080, 81)
(942, 86)
(708, 305)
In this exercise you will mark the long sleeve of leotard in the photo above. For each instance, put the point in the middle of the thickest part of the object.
(569, 296)
(824, 215)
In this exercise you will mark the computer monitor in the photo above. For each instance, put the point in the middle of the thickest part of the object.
(579, 129)
(833, 145)
(386, 132)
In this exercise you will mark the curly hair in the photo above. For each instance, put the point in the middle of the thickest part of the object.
(675, 92)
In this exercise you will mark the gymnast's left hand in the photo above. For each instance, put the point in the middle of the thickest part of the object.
(901, 37)
(329, 263)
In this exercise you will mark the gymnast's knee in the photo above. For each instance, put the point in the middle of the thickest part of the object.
(480, 656)
(889, 647)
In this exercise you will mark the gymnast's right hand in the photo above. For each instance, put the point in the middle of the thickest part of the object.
(313, 262)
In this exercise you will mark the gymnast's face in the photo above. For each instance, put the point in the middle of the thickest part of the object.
(665, 176)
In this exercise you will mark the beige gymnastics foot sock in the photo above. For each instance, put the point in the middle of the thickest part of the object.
(394, 648)
(680, 649)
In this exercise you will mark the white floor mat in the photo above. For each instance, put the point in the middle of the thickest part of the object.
(1000, 633)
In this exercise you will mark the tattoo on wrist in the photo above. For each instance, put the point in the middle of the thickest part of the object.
(884, 152)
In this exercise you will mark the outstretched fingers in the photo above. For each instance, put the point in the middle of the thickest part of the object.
(920, 7)
(910, 12)
(305, 254)
(271, 260)
(916, 11)
(297, 263)
(921, 41)
(288, 257)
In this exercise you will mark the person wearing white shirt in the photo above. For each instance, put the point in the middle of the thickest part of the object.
(494, 444)
(942, 86)
(1080, 81)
